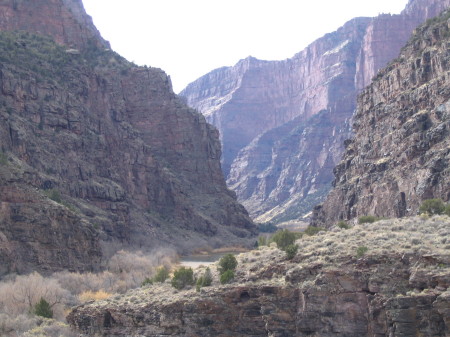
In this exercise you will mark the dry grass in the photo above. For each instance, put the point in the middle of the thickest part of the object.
(93, 296)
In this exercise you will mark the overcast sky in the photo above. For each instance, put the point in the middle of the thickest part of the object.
(189, 38)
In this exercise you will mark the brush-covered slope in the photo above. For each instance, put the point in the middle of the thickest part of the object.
(400, 154)
(283, 123)
(108, 150)
(398, 287)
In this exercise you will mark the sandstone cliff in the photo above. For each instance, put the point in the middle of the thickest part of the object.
(283, 123)
(109, 152)
(400, 154)
(329, 289)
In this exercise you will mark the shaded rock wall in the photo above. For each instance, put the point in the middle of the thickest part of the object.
(280, 175)
(110, 141)
(399, 155)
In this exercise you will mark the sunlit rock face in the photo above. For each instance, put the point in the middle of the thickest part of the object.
(283, 123)
(94, 148)
(399, 154)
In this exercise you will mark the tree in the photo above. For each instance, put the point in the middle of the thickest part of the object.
(432, 206)
(162, 274)
(43, 309)
(227, 262)
(182, 277)
(205, 280)
(283, 238)
(227, 277)
(291, 251)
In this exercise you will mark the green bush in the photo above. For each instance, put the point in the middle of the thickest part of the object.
(361, 250)
(262, 241)
(54, 195)
(283, 238)
(162, 274)
(227, 277)
(3, 158)
(291, 251)
(43, 309)
(311, 231)
(205, 280)
(343, 225)
(147, 281)
(447, 210)
(267, 227)
(367, 219)
(182, 277)
(432, 206)
(227, 262)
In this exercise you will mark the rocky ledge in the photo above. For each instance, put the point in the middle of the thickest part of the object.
(396, 285)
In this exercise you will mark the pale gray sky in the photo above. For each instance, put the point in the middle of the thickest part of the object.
(189, 38)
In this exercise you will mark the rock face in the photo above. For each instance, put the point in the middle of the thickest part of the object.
(400, 154)
(283, 123)
(65, 21)
(124, 159)
(328, 289)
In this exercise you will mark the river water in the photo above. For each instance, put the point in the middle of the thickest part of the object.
(196, 260)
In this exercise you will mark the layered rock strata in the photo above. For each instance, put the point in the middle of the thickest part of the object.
(112, 152)
(400, 154)
(329, 288)
(277, 157)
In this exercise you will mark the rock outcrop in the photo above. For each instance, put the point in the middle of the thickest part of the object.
(396, 286)
(106, 148)
(400, 154)
(283, 123)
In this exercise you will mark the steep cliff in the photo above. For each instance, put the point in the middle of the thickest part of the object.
(109, 151)
(400, 154)
(277, 157)
(398, 287)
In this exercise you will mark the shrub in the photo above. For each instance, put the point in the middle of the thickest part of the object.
(367, 219)
(311, 230)
(227, 277)
(89, 295)
(343, 225)
(447, 210)
(43, 309)
(432, 206)
(3, 158)
(54, 195)
(267, 227)
(182, 277)
(291, 251)
(162, 274)
(262, 241)
(147, 281)
(361, 250)
(283, 238)
(227, 262)
(205, 280)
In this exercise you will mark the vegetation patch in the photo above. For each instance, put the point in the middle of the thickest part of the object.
(367, 219)
(182, 277)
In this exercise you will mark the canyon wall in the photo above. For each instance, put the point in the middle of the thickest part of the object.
(399, 155)
(109, 152)
(283, 123)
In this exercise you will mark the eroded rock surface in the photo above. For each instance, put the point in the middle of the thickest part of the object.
(399, 155)
(283, 123)
(399, 287)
